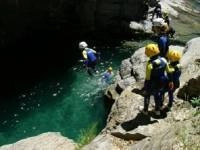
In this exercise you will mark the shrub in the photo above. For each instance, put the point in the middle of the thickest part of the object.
(195, 102)
(87, 135)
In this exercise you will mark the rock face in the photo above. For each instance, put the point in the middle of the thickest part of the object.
(46, 141)
(191, 71)
(175, 129)
(88, 15)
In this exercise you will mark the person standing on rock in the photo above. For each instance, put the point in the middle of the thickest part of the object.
(173, 73)
(155, 77)
(90, 59)
(157, 11)
(163, 40)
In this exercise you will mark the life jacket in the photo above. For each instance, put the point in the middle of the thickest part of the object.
(158, 71)
(163, 45)
(107, 77)
(175, 74)
(91, 55)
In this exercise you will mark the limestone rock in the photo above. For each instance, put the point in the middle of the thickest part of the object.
(126, 122)
(111, 93)
(123, 84)
(138, 60)
(191, 88)
(125, 69)
(181, 135)
(46, 141)
(102, 142)
(191, 52)
(142, 26)
(190, 78)
(124, 109)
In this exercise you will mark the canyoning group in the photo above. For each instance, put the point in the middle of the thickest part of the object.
(163, 69)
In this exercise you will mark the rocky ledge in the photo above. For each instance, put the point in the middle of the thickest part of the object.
(128, 128)
(45, 141)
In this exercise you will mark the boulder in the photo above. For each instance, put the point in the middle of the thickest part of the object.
(191, 53)
(180, 135)
(123, 84)
(138, 60)
(124, 109)
(101, 142)
(111, 92)
(190, 78)
(142, 26)
(125, 69)
(46, 141)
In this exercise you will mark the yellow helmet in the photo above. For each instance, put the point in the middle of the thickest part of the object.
(174, 55)
(110, 69)
(151, 50)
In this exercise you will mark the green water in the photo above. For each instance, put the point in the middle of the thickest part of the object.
(69, 103)
(73, 101)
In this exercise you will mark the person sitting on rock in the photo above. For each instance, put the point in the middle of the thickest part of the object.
(155, 77)
(89, 55)
(173, 73)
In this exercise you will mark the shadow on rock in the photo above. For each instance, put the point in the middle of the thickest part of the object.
(152, 113)
(163, 114)
(139, 91)
(139, 120)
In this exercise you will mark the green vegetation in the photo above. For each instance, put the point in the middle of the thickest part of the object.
(196, 113)
(188, 141)
(195, 102)
(87, 135)
(188, 134)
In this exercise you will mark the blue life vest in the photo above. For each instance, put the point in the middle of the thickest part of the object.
(91, 55)
(158, 71)
(107, 77)
(163, 45)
